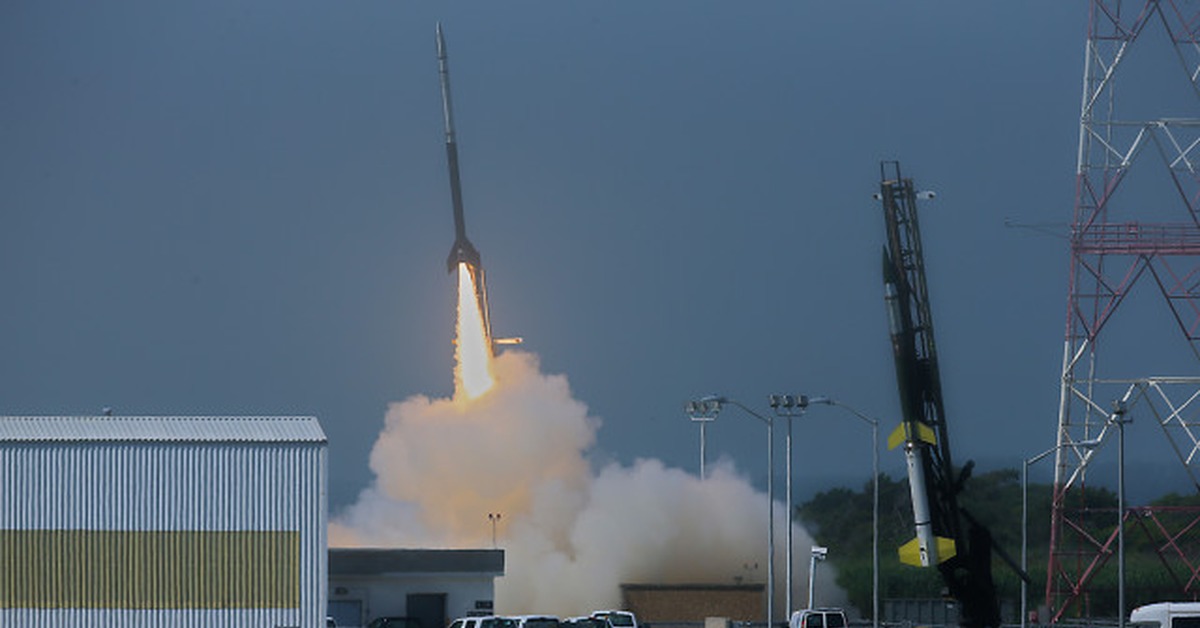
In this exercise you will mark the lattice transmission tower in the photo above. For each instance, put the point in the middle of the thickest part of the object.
(1134, 243)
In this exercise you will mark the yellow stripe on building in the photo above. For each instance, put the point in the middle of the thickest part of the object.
(149, 570)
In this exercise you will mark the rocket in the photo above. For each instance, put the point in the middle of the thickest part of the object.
(462, 250)
(926, 549)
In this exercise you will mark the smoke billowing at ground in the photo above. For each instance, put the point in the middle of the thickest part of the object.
(571, 536)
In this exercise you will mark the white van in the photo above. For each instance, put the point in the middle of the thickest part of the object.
(1167, 615)
(819, 618)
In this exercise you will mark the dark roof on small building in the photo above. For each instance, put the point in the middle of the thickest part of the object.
(379, 561)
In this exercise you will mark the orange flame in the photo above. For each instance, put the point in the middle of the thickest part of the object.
(473, 351)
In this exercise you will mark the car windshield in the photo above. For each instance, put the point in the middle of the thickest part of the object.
(835, 621)
(541, 622)
(620, 619)
(498, 622)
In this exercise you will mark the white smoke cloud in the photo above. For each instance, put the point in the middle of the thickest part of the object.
(571, 537)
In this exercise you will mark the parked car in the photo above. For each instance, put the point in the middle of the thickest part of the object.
(484, 621)
(535, 621)
(818, 618)
(498, 622)
(584, 622)
(617, 619)
(395, 622)
(329, 622)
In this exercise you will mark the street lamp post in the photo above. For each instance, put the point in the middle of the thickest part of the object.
(494, 517)
(1025, 464)
(805, 401)
(1120, 418)
(716, 402)
(787, 407)
(1025, 529)
(818, 554)
(702, 412)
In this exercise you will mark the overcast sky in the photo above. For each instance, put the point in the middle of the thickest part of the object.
(242, 208)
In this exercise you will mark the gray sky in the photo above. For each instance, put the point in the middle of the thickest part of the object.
(242, 208)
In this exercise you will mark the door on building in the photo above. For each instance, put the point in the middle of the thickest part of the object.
(430, 608)
(347, 612)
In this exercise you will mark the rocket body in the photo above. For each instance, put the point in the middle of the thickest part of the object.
(461, 251)
(463, 254)
(925, 547)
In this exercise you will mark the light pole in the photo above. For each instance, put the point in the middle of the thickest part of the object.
(804, 400)
(1120, 418)
(717, 402)
(787, 407)
(818, 554)
(1025, 529)
(702, 412)
(494, 517)
(1025, 464)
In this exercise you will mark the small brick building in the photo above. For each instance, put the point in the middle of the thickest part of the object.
(694, 602)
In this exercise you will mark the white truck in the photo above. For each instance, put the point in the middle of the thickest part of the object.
(1167, 615)
(818, 618)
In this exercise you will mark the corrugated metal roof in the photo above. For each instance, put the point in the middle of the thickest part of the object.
(161, 428)
(345, 561)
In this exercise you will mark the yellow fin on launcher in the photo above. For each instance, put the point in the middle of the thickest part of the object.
(911, 554)
(903, 434)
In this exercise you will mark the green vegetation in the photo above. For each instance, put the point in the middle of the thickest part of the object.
(841, 520)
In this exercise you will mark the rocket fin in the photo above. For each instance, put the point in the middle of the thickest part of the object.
(912, 554)
(945, 548)
(903, 434)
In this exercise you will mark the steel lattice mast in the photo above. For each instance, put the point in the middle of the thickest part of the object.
(1123, 237)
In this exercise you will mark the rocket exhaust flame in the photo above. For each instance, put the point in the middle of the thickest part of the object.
(473, 348)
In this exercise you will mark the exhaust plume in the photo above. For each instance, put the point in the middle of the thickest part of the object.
(473, 350)
(571, 536)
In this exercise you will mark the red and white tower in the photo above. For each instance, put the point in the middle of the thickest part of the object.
(1135, 245)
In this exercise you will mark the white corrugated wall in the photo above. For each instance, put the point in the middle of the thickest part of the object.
(140, 494)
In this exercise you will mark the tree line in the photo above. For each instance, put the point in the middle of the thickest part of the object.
(840, 519)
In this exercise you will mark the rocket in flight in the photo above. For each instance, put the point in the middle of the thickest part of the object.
(463, 254)
(462, 251)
